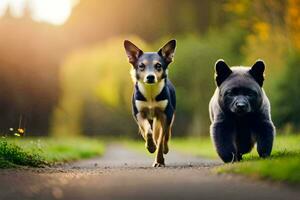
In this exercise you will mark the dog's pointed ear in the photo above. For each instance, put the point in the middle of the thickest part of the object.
(222, 71)
(257, 72)
(168, 51)
(132, 51)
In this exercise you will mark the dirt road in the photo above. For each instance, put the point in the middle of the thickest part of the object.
(125, 174)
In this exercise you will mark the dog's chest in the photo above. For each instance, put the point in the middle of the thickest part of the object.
(151, 105)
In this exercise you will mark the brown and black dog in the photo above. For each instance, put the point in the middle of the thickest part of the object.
(154, 100)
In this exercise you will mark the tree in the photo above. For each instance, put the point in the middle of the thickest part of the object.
(288, 97)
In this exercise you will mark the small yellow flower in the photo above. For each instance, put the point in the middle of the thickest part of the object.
(17, 134)
(20, 130)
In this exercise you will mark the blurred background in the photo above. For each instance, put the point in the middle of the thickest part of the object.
(63, 69)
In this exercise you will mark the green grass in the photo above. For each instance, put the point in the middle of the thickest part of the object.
(283, 165)
(38, 152)
(195, 146)
(280, 167)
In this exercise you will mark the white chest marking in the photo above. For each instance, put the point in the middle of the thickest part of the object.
(151, 105)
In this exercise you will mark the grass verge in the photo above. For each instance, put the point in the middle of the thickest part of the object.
(38, 152)
(283, 165)
(195, 146)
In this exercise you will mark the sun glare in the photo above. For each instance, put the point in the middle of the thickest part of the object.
(52, 11)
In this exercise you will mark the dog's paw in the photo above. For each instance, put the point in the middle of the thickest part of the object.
(165, 148)
(264, 155)
(150, 145)
(155, 164)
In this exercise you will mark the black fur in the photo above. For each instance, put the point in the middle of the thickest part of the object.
(240, 112)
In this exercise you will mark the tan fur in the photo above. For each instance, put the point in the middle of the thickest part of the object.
(151, 70)
(161, 129)
(157, 137)
(144, 125)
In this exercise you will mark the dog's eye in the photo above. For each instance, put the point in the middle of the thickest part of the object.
(158, 66)
(229, 93)
(251, 94)
(141, 66)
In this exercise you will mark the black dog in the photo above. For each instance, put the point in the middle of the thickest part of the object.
(240, 112)
(154, 99)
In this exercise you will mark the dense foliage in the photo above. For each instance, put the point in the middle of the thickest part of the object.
(73, 79)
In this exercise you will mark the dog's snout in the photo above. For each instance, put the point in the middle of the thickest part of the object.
(241, 105)
(150, 78)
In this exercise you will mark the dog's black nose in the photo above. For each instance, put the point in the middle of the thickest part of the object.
(150, 78)
(241, 105)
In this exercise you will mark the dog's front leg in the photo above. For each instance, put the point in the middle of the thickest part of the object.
(265, 133)
(223, 135)
(162, 128)
(146, 132)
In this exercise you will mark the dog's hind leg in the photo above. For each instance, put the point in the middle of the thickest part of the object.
(167, 136)
(147, 132)
(156, 130)
(166, 139)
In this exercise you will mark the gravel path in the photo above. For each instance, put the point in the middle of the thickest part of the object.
(125, 174)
